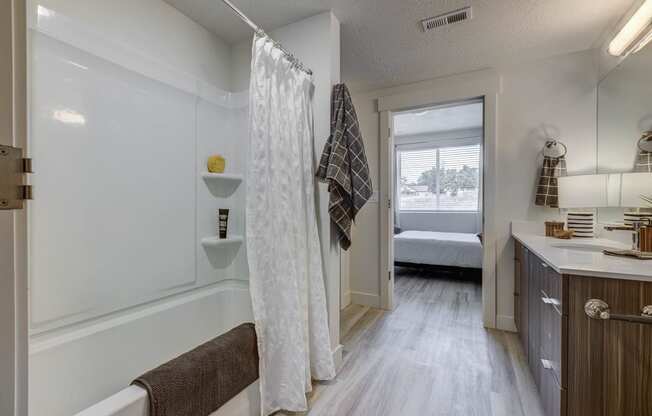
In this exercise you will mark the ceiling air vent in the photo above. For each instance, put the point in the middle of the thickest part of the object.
(457, 16)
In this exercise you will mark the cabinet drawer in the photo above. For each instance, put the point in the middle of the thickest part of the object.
(553, 396)
(553, 350)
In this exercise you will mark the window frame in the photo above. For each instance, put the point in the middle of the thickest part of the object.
(428, 143)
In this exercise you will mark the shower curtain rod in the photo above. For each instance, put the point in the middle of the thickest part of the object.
(293, 59)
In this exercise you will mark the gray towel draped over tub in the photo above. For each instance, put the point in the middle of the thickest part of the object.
(344, 165)
(547, 192)
(202, 380)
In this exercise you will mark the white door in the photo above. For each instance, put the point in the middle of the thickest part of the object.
(13, 230)
(386, 200)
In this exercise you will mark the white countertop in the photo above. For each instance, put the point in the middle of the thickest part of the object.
(584, 257)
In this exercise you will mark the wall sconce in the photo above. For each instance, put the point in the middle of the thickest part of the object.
(634, 185)
(605, 190)
(584, 191)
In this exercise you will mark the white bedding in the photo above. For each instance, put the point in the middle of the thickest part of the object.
(435, 248)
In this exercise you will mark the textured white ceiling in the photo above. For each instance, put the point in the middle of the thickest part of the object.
(438, 119)
(383, 45)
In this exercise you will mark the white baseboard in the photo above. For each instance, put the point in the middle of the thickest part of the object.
(505, 323)
(366, 299)
(346, 300)
(337, 356)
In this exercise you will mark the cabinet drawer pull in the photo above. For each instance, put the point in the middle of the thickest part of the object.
(550, 301)
(599, 309)
(547, 364)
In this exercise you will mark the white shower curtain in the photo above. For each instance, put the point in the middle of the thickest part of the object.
(285, 266)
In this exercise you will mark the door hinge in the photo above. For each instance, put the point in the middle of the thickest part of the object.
(389, 275)
(389, 204)
(13, 167)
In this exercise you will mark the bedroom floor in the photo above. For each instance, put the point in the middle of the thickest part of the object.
(430, 356)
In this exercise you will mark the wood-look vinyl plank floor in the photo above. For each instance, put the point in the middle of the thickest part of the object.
(350, 316)
(430, 356)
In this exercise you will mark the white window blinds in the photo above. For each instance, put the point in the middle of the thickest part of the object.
(440, 179)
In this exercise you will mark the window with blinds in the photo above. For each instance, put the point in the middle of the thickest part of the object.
(440, 179)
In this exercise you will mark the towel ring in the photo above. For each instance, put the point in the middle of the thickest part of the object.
(645, 142)
(554, 143)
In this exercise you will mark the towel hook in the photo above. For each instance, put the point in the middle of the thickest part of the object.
(554, 143)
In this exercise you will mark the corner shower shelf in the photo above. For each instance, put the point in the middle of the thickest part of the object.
(222, 242)
(230, 178)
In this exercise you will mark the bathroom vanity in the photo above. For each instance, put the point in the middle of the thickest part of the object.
(584, 326)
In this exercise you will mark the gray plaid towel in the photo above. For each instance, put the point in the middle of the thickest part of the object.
(548, 187)
(344, 165)
(644, 157)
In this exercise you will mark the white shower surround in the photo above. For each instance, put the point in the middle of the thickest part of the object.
(68, 355)
(98, 108)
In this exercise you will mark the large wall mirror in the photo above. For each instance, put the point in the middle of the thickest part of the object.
(624, 117)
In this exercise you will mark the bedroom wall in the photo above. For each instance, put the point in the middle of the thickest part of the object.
(555, 96)
(447, 222)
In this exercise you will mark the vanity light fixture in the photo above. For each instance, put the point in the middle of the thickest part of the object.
(636, 33)
(634, 185)
(604, 190)
(584, 191)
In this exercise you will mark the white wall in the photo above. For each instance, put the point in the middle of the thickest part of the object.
(447, 222)
(555, 96)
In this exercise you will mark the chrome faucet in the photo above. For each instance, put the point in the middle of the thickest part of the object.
(634, 228)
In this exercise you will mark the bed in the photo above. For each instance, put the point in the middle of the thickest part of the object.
(438, 249)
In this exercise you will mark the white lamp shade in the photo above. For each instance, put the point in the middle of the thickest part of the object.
(583, 191)
(634, 185)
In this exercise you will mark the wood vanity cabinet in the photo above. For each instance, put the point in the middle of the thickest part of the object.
(609, 362)
(583, 366)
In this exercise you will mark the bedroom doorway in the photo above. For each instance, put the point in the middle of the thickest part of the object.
(434, 162)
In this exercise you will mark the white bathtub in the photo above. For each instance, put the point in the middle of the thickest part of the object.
(99, 361)
(133, 401)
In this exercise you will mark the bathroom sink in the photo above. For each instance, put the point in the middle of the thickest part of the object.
(595, 245)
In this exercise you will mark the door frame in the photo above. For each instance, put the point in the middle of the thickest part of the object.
(13, 224)
(480, 84)
(386, 202)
